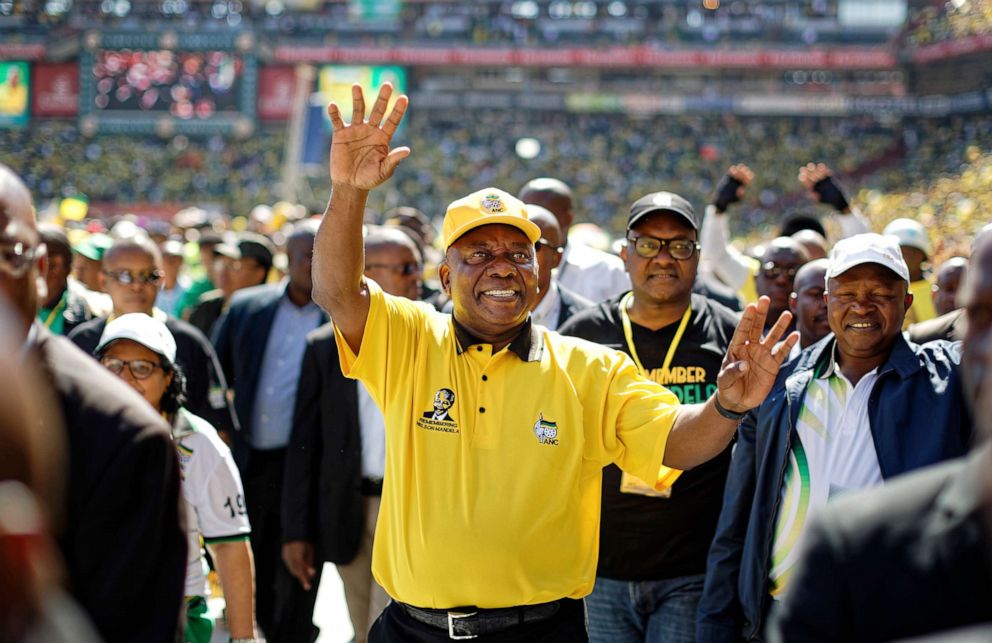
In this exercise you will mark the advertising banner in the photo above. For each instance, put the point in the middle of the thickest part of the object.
(56, 90)
(275, 93)
(15, 91)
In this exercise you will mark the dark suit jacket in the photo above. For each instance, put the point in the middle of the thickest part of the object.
(571, 303)
(240, 338)
(322, 500)
(206, 388)
(207, 311)
(124, 541)
(950, 326)
(903, 560)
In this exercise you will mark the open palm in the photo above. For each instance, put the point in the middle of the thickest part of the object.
(752, 363)
(360, 154)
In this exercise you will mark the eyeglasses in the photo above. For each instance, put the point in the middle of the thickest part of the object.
(544, 243)
(16, 257)
(405, 269)
(772, 271)
(141, 369)
(651, 247)
(126, 277)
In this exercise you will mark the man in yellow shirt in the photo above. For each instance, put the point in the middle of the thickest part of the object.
(489, 523)
(914, 241)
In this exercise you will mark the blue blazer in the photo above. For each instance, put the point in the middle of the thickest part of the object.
(240, 338)
(918, 417)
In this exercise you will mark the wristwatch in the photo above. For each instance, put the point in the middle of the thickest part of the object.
(725, 412)
(251, 640)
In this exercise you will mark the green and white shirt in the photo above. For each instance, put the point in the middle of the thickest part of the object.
(832, 453)
(215, 500)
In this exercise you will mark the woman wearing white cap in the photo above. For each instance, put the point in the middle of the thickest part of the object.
(142, 352)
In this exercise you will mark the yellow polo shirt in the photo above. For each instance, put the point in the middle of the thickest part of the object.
(494, 461)
(922, 308)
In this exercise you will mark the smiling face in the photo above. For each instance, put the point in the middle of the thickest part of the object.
(660, 279)
(866, 306)
(490, 273)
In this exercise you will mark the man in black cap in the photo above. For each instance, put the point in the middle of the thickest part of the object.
(653, 540)
(208, 241)
(241, 266)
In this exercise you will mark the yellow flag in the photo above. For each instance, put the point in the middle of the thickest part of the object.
(74, 208)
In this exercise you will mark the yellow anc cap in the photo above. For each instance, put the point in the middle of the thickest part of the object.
(486, 207)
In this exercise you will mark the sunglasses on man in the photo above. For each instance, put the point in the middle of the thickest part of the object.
(126, 277)
(650, 247)
(544, 243)
(773, 271)
(406, 269)
(16, 257)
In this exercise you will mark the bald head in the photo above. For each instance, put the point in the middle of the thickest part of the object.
(392, 260)
(22, 274)
(813, 242)
(15, 200)
(139, 243)
(780, 261)
(976, 348)
(548, 223)
(553, 195)
(948, 282)
(807, 303)
(379, 237)
(549, 246)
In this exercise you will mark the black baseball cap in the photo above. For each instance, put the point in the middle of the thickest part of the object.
(662, 202)
(257, 247)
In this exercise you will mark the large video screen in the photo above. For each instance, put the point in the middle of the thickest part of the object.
(334, 84)
(15, 81)
(190, 85)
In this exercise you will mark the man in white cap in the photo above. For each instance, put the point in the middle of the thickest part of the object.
(489, 522)
(914, 242)
(856, 408)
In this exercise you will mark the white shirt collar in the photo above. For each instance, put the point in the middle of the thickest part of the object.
(546, 312)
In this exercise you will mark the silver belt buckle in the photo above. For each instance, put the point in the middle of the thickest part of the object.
(454, 616)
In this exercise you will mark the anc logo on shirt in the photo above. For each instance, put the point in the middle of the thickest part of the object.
(185, 455)
(545, 431)
(439, 419)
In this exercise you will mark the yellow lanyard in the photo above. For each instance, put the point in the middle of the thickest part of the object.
(55, 312)
(628, 334)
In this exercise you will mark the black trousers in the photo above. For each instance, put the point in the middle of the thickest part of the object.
(394, 625)
(283, 610)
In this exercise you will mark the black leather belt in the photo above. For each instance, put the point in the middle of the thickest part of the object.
(469, 622)
(371, 486)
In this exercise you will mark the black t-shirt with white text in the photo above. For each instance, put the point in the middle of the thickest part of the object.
(652, 538)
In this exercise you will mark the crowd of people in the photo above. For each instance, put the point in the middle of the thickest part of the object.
(681, 469)
(493, 22)
(236, 175)
(943, 21)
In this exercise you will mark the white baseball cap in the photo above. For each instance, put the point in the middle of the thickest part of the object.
(142, 329)
(867, 248)
(911, 234)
